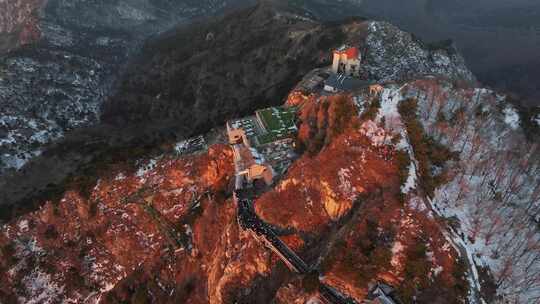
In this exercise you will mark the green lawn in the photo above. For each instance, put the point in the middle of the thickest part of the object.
(269, 120)
(275, 119)
(278, 122)
(266, 138)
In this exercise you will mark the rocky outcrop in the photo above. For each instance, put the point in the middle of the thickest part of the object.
(344, 198)
(320, 184)
(335, 209)
(94, 238)
(393, 55)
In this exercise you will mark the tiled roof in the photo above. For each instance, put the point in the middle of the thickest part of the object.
(351, 52)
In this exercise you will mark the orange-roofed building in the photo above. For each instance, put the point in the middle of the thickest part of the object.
(347, 61)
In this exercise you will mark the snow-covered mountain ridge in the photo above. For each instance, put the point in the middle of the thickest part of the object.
(491, 195)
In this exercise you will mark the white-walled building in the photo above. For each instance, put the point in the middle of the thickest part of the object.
(347, 61)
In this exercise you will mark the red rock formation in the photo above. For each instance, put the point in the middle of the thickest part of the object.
(124, 235)
(323, 185)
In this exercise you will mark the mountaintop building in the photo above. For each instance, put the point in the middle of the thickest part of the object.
(347, 61)
(381, 293)
(262, 144)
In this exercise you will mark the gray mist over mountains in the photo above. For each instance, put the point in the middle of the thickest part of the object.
(500, 39)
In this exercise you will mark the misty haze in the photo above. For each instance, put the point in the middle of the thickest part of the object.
(500, 39)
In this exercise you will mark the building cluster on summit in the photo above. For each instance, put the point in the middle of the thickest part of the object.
(263, 148)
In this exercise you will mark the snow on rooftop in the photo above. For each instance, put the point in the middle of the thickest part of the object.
(181, 146)
(147, 167)
(511, 117)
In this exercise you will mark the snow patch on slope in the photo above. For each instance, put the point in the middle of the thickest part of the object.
(42, 288)
(410, 184)
(494, 190)
(39, 286)
(390, 98)
(511, 117)
(345, 185)
(397, 249)
(377, 135)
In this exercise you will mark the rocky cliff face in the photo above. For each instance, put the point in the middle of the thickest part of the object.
(346, 198)
(124, 228)
(392, 54)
